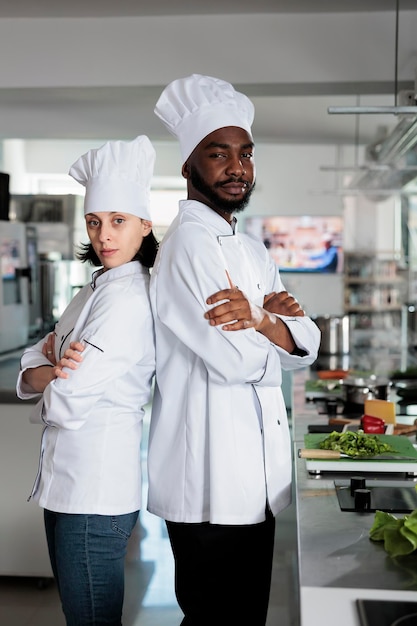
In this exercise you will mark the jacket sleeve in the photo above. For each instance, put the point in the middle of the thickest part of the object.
(304, 331)
(32, 357)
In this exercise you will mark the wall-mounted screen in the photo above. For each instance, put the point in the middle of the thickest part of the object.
(301, 243)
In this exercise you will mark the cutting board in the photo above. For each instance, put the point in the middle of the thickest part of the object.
(401, 444)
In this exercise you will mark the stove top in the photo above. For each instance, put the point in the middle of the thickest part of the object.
(408, 407)
(377, 495)
(387, 613)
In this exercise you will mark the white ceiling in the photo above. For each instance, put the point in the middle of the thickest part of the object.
(286, 111)
(112, 8)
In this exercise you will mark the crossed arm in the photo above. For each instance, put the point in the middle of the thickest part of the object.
(236, 313)
(39, 377)
(244, 314)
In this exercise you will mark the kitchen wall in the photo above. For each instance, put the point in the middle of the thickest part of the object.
(289, 182)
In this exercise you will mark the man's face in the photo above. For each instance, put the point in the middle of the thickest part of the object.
(221, 170)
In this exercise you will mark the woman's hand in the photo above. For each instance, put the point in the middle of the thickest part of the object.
(38, 378)
(70, 359)
(48, 348)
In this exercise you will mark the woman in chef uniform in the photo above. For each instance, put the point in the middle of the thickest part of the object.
(92, 406)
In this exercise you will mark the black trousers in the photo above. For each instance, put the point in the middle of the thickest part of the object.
(223, 573)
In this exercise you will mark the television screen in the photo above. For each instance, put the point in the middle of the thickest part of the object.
(301, 243)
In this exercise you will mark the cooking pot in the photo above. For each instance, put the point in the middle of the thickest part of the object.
(405, 388)
(357, 390)
(334, 333)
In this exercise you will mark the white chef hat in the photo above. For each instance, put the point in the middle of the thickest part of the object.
(193, 107)
(117, 177)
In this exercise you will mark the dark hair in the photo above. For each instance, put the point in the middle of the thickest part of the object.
(145, 255)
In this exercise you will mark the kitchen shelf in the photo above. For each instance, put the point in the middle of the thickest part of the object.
(371, 309)
(375, 293)
(377, 280)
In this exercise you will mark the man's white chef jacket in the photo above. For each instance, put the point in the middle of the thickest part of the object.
(219, 445)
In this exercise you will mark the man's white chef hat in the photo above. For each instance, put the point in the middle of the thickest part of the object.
(193, 107)
(117, 177)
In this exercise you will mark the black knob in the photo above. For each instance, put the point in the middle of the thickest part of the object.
(362, 499)
(357, 482)
(332, 406)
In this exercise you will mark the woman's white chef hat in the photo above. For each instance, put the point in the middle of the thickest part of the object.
(117, 177)
(193, 107)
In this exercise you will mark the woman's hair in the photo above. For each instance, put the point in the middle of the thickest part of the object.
(145, 255)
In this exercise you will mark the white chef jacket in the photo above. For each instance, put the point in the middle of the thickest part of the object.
(90, 454)
(219, 445)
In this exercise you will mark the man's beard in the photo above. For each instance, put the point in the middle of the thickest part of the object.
(223, 205)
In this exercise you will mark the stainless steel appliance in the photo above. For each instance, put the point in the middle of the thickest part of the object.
(59, 220)
(35, 313)
(14, 291)
(55, 226)
(334, 334)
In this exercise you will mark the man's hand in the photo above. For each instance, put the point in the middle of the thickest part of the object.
(237, 313)
(283, 303)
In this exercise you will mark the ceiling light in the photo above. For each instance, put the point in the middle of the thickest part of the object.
(402, 139)
(394, 110)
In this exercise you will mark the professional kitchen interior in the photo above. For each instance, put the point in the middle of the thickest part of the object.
(335, 95)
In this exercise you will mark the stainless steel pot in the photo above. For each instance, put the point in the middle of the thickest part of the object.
(405, 388)
(357, 390)
(334, 333)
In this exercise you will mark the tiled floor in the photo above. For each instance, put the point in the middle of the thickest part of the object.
(149, 597)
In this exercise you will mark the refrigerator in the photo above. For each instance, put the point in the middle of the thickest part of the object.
(14, 286)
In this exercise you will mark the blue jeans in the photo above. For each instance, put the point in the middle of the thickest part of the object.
(87, 554)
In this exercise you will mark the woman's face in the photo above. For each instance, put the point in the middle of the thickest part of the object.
(116, 237)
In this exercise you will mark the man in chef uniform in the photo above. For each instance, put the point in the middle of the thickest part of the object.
(219, 449)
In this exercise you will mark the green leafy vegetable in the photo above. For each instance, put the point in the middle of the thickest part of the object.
(329, 386)
(398, 534)
(356, 444)
(410, 372)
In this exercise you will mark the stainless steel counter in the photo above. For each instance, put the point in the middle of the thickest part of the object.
(338, 563)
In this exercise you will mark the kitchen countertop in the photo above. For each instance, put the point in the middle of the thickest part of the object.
(338, 563)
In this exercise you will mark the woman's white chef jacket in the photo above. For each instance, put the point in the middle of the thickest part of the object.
(90, 454)
(219, 443)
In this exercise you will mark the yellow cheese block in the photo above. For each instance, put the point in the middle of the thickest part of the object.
(382, 409)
